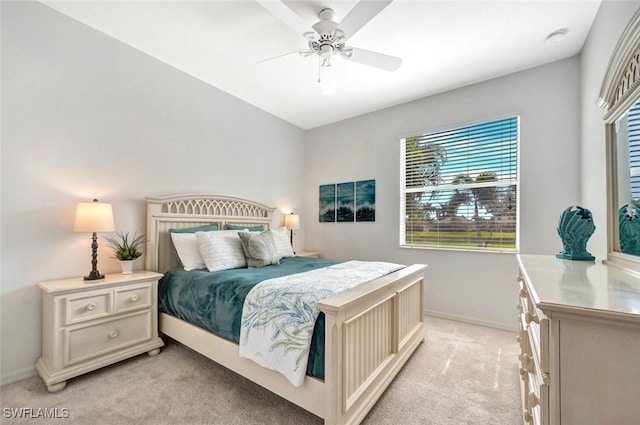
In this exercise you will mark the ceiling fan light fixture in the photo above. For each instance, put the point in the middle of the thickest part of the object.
(327, 80)
(325, 52)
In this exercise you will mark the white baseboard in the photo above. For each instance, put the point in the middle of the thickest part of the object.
(474, 320)
(18, 375)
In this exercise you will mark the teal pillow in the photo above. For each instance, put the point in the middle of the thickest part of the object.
(206, 228)
(259, 228)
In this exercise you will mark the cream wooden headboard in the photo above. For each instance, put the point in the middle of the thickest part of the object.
(192, 210)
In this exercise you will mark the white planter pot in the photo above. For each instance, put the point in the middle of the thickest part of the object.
(127, 266)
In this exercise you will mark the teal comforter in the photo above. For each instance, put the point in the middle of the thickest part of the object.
(214, 300)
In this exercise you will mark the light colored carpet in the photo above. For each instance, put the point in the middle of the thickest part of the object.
(462, 374)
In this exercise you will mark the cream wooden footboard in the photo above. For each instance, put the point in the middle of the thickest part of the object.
(370, 330)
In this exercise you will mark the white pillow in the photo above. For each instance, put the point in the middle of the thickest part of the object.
(187, 248)
(221, 250)
(283, 242)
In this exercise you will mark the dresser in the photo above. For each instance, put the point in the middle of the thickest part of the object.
(90, 324)
(579, 336)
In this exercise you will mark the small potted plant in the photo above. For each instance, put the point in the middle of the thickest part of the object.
(126, 250)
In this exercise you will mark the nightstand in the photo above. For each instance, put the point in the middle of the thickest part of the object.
(90, 324)
(310, 254)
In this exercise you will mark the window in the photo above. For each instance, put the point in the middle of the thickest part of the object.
(633, 130)
(459, 187)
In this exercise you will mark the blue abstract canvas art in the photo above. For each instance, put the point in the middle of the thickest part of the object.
(327, 202)
(366, 200)
(345, 202)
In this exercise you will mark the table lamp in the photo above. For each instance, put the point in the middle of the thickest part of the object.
(94, 217)
(292, 222)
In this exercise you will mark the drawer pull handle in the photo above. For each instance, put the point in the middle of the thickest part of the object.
(533, 400)
(525, 361)
(528, 317)
(113, 334)
(91, 306)
(134, 298)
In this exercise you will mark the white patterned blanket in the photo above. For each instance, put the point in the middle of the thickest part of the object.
(279, 314)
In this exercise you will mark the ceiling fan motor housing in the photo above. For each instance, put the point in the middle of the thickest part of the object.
(330, 39)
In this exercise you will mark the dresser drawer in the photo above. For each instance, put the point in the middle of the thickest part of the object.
(536, 325)
(534, 365)
(87, 306)
(133, 298)
(95, 339)
(529, 310)
(537, 398)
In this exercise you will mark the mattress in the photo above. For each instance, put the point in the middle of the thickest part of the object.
(213, 300)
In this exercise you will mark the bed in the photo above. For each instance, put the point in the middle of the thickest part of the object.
(370, 331)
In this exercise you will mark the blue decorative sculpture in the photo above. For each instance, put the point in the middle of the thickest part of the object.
(575, 228)
(629, 225)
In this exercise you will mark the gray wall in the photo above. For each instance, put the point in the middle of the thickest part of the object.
(85, 116)
(472, 286)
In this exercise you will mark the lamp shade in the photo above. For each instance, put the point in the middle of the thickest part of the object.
(292, 221)
(94, 217)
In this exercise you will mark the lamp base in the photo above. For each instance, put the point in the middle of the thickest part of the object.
(94, 275)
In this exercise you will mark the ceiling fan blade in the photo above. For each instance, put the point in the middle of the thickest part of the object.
(279, 56)
(286, 15)
(362, 12)
(377, 60)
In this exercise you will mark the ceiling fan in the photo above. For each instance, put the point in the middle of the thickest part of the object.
(327, 39)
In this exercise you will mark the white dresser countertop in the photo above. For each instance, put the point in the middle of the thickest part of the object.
(586, 287)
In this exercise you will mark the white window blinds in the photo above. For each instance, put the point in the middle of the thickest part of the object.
(459, 187)
(633, 123)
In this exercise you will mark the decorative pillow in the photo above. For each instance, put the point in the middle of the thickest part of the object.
(221, 250)
(259, 248)
(205, 228)
(282, 241)
(187, 249)
(184, 241)
(259, 228)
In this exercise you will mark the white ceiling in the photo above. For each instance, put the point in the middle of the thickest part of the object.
(444, 44)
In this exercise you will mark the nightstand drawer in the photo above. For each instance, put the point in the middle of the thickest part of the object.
(133, 298)
(85, 342)
(87, 306)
